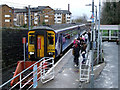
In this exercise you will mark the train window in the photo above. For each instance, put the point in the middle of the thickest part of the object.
(50, 40)
(31, 39)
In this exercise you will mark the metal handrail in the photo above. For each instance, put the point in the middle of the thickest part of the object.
(22, 73)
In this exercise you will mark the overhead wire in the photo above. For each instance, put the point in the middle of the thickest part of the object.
(16, 5)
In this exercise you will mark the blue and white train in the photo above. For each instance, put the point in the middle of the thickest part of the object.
(47, 42)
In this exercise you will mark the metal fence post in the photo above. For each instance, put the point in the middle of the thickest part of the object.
(20, 82)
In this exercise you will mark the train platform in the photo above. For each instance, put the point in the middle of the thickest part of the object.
(66, 74)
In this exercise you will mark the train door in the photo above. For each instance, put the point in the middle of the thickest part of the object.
(40, 46)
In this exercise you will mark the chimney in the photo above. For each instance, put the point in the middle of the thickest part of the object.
(68, 7)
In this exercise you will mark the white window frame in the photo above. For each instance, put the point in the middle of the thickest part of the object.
(7, 20)
(8, 16)
(46, 16)
(46, 20)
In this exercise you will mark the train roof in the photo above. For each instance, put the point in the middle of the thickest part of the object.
(41, 27)
(69, 28)
(59, 27)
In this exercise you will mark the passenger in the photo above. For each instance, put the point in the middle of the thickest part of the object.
(76, 49)
(81, 40)
(86, 37)
(83, 37)
(89, 35)
(74, 40)
(83, 51)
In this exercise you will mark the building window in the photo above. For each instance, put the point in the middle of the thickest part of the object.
(7, 15)
(59, 20)
(58, 17)
(68, 20)
(68, 17)
(46, 16)
(46, 20)
(7, 20)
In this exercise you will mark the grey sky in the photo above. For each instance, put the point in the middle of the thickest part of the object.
(77, 7)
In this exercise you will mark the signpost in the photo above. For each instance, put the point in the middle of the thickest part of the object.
(24, 42)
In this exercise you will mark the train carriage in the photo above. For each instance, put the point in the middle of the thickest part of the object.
(47, 42)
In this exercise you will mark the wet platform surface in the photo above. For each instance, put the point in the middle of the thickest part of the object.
(109, 75)
(66, 74)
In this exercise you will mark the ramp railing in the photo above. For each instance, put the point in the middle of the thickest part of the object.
(85, 68)
(33, 76)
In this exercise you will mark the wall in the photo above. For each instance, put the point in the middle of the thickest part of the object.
(12, 47)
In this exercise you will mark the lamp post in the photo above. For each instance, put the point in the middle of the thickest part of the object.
(92, 49)
(29, 21)
(95, 20)
(92, 62)
(99, 30)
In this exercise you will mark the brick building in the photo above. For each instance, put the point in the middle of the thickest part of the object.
(62, 16)
(10, 17)
(6, 16)
(38, 15)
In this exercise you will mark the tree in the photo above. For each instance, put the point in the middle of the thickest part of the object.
(81, 19)
(110, 13)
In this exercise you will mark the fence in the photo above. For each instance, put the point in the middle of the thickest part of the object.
(40, 71)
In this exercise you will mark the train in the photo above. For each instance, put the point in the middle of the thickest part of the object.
(47, 42)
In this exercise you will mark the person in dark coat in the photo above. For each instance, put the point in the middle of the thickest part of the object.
(76, 49)
(83, 51)
(89, 35)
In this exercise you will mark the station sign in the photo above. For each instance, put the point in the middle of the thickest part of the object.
(23, 40)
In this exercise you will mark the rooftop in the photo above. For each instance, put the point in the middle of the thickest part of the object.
(63, 11)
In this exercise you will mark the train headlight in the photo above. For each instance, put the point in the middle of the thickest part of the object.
(50, 53)
(31, 53)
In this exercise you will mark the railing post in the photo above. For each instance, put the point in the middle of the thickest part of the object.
(53, 66)
(44, 68)
(109, 34)
(20, 82)
(101, 48)
(41, 71)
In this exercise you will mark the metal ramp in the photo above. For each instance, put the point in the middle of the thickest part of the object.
(85, 69)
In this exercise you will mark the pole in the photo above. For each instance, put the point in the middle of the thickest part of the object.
(96, 23)
(99, 30)
(29, 22)
(24, 41)
(98, 49)
(92, 61)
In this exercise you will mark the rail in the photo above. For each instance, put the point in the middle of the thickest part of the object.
(43, 64)
(85, 68)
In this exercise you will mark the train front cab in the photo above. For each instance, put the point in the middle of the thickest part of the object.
(41, 43)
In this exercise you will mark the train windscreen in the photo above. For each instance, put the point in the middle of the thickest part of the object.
(31, 39)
